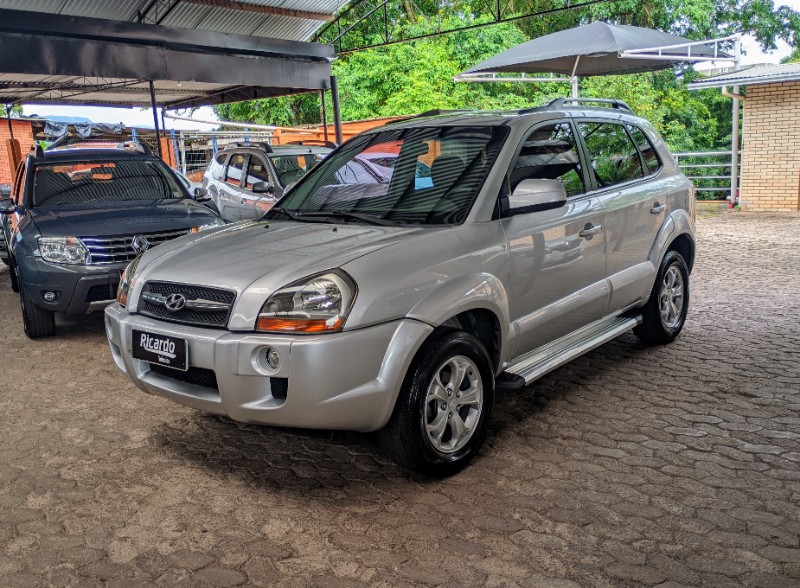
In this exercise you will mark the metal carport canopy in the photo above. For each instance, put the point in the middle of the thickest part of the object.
(56, 58)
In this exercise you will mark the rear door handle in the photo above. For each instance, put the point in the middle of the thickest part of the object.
(590, 230)
(658, 208)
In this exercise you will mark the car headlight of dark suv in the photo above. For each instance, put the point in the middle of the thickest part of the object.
(67, 250)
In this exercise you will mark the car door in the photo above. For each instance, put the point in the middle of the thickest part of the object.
(231, 198)
(256, 204)
(557, 275)
(624, 167)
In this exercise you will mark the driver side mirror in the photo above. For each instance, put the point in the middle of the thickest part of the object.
(7, 206)
(535, 196)
(201, 194)
(263, 188)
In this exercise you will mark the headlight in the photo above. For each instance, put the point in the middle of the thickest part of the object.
(127, 280)
(63, 250)
(317, 304)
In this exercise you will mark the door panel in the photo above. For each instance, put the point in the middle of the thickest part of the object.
(557, 278)
(257, 204)
(230, 189)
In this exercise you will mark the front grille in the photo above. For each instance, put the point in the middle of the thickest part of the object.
(120, 249)
(188, 316)
(102, 292)
(194, 375)
(279, 387)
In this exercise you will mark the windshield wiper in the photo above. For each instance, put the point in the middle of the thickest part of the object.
(344, 214)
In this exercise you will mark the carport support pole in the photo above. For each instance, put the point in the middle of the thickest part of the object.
(735, 196)
(337, 113)
(324, 114)
(155, 116)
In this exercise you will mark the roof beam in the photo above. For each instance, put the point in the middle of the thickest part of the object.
(261, 9)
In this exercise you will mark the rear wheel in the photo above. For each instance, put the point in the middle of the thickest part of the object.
(37, 321)
(664, 314)
(444, 408)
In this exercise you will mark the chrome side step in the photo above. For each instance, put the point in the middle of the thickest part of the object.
(534, 365)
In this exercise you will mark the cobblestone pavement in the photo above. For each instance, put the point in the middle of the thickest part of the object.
(632, 466)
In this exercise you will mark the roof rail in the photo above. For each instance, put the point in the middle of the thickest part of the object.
(314, 143)
(73, 142)
(618, 104)
(253, 144)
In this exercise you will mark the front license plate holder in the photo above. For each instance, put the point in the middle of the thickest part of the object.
(165, 350)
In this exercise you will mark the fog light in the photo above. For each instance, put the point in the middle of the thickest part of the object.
(109, 331)
(268, 359)
(49, 296)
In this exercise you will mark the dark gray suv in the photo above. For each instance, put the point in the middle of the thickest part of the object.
(77, 216)
(244, 180)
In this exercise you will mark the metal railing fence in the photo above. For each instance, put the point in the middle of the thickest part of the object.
(709, 171)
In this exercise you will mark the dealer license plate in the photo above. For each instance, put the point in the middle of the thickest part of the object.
(160, 349)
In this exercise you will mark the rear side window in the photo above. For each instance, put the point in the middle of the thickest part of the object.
(614, 158)
(550, 153)
(235, 167)
(651, 160)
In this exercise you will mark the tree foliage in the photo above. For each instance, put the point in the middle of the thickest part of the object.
(416, 76)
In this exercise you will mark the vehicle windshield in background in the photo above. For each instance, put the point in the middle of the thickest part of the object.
(425, 175)
(291, 168)
(103, 183)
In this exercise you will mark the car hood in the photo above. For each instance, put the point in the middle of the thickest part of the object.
(127, 220)
(258, 258)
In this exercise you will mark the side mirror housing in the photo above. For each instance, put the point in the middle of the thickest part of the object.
(7, 206)
(201, 194)
(263, 188)
(535, 196)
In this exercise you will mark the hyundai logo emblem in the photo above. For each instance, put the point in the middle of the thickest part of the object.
(175, 302)
(140, 244)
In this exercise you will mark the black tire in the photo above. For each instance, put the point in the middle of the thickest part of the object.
(405, 438)
(38, 322)
(12, 269)
(656, 329)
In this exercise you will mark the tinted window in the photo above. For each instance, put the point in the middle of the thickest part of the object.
(550, 153)
(434, 178)
(257, 172)
(103, 183)
(235, 166)
(651, 161)
(614, 157)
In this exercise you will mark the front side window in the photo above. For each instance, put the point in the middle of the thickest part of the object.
(550, 153)
(103, 183)
(424, 175)
(233, 176)
(614, 157)
(257, 172)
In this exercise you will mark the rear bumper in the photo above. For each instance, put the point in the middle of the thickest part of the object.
(347, 381)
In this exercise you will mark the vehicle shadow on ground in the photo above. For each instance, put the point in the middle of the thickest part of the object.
(292, 460)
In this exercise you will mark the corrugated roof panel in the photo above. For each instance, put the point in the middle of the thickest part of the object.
(286, 27)
(109, 9)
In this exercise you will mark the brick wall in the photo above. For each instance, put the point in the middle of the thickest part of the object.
(23, 132)
(771, 148)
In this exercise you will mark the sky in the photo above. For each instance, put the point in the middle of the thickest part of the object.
(138, 117)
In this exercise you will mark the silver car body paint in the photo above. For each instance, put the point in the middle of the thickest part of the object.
(534, 272)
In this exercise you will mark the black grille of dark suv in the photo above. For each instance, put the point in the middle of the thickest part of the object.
(120, 248)
(187, 315)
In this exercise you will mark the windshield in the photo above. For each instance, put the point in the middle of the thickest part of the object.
(291, 168)
(103, 183)
(425, 175)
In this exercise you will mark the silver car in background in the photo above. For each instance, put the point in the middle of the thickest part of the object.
(497, 247)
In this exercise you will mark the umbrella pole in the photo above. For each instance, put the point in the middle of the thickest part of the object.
(574, 78)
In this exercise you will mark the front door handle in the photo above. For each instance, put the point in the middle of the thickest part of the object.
(658, 208)
(590, 230)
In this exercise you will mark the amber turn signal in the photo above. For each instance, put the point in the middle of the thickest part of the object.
(276, 325)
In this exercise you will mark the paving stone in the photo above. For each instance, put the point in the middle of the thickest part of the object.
(670, 465)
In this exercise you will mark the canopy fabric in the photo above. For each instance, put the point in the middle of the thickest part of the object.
(596, 47)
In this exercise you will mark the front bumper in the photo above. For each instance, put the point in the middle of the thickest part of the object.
(347, 380)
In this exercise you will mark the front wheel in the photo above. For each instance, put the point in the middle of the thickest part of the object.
(664, 314)
(444, 408)
(37, 321)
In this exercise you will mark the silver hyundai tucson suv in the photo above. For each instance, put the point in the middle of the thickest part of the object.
(401, 305)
